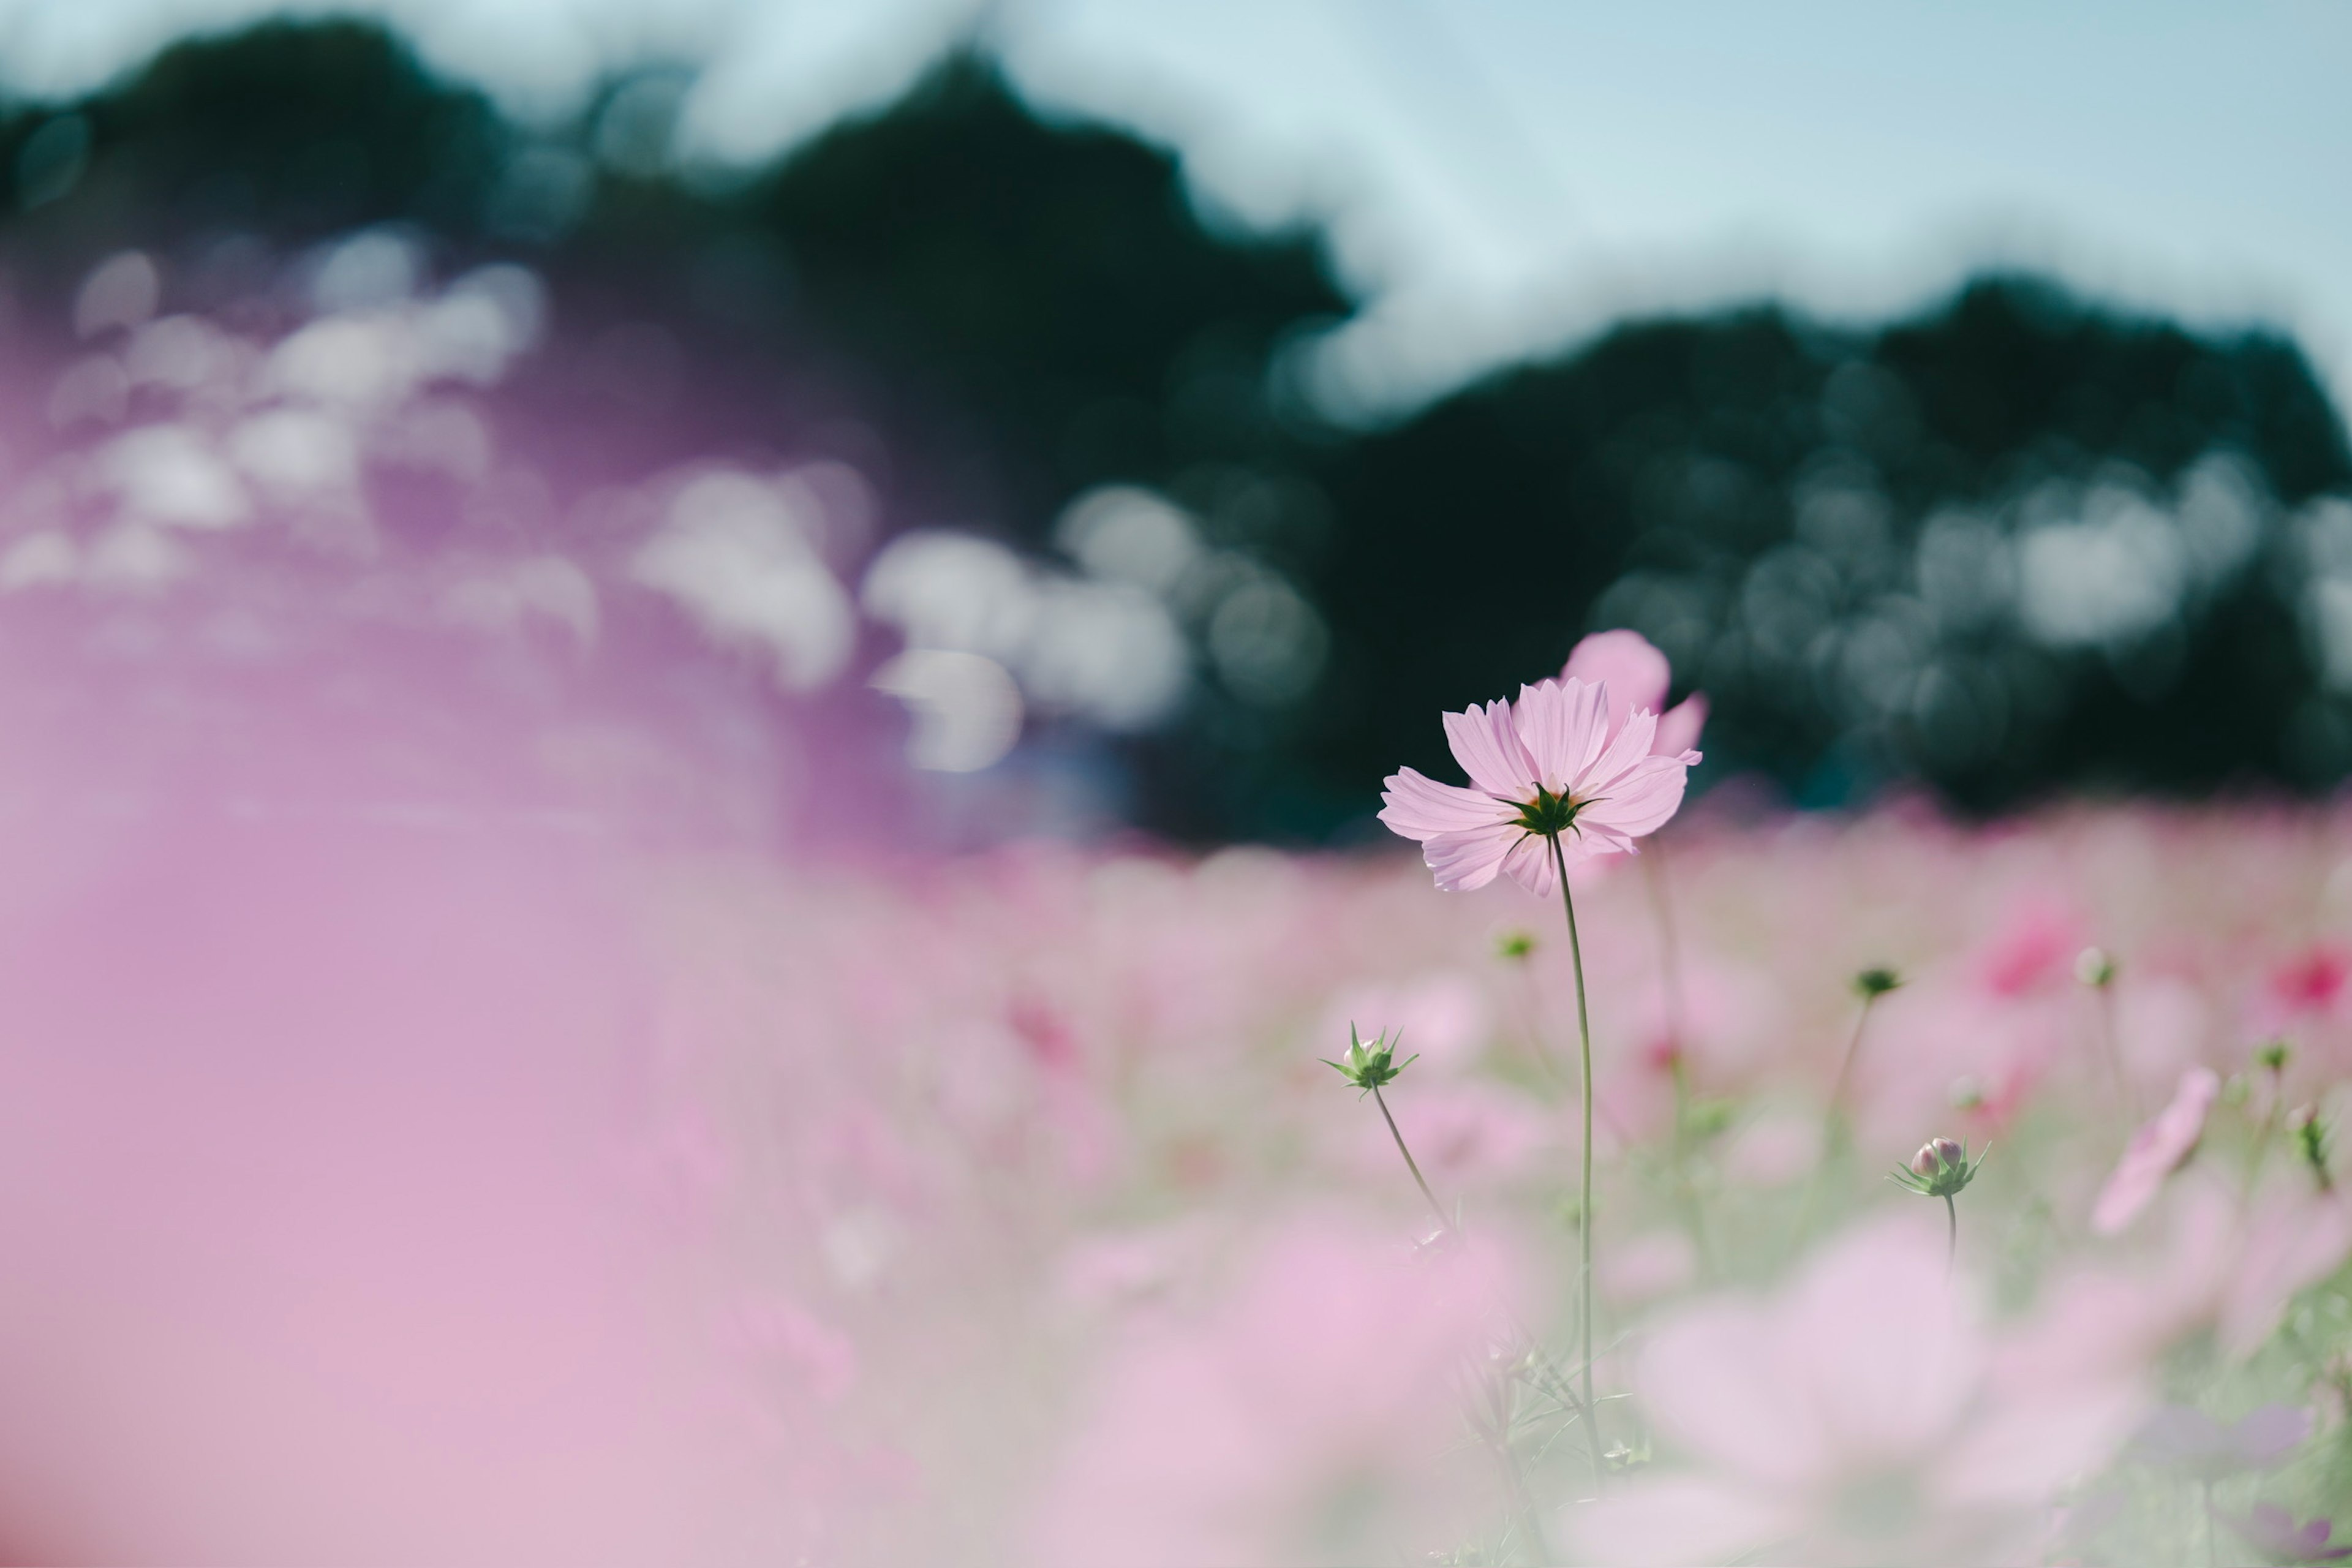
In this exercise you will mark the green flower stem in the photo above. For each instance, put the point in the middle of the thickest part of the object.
(1584, 1204)
(1435, 1206)
(1951, 1234)
(1670, 962)
(1846, 1068)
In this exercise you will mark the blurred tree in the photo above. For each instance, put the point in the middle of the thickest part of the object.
(2015, 544)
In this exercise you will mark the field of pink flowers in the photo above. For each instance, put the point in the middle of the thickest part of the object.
(1001, 1208)
(490, 1075)
(1081, 1234)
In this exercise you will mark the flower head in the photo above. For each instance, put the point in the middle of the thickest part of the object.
(1941, 1168)
(1369, 1067)
(1556, 766)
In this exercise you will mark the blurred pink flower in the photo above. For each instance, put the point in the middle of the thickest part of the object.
(1554, 762)
(1861, 1417)
(2157, 1150)
(2182, 1438)
(1302, 1418)
(2034, 949)
(2271, 1531)
(1638, 676)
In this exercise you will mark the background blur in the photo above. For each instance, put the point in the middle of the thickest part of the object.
(1191, 402)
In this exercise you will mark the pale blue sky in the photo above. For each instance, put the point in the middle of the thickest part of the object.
(1502, 176)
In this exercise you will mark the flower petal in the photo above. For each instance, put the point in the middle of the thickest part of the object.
(1635, 671)
(1679, 726)
(1629, 746)
(1640, 802)
(1564, 724)
(1529, 864)
(1488, 748)
(1466, 861)
(1417, 806)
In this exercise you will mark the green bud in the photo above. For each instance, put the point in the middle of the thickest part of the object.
(1515, 944)
(2311, 1136)
(1873, 983)
(2094, 967)
(1624, 1458)
(1369, 1067)
(2273, 1054)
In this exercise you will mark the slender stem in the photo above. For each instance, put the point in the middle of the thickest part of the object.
(2211, 1547)
(1840, 1135)
(1435, 1206)
(2113, 1038)
(1670, 958)
(2263, 1135)
(1584, 1201)
(1846, 1068)
(1951, 1234)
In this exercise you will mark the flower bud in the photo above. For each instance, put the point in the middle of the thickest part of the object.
(1935, 1157)
(2273, 1054)
(2094, 967)
(1873, 983)
(1939, 1169)
(1367, 1067)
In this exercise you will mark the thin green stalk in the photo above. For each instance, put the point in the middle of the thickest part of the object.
(1435, 1206)
(1670, 958)
(1952, 1233)
(1584, 1203)
(1846, 1068)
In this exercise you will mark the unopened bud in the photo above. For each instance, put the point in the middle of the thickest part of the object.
(1515, 944)
(2273, 1054)
(1939, 1169)
(1936, 1155)
(1873, 983)
(2311, 1138)
(2095, 967)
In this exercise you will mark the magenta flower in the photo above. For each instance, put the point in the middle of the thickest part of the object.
(1556, 765)
(1638, 676)
(2155, 1150)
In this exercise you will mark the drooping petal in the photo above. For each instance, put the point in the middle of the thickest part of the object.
(1641, 802)
(1415, 806)
(1564, 725)
(1635, 672)
(1679, 726)
(1589, 841)
(1529, 864)
(1466, 861)
(2154, 1152)
(1488, 745)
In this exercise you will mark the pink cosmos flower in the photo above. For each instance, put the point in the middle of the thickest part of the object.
(1638, 676)
(1863, 1416)
(1556, 763)
(2155, 1150)
(1309, 1416)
